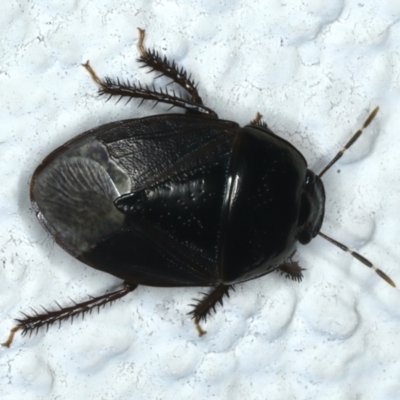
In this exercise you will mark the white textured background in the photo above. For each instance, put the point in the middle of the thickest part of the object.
(314, 71)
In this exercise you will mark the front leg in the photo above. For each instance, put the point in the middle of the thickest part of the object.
(258, 121)
(292, 270)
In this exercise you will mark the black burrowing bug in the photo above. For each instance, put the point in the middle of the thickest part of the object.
(178, 199)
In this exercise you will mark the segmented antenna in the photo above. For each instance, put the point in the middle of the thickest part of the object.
(356, 255)
(359, 257)
(350, 142)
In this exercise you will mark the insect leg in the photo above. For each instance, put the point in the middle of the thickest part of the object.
(291, 270)
(112, 87)
(258, 121)
(151, 59)
(208, 302)
(31, 323)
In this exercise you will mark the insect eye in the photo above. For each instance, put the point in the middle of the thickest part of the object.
(304, 237)
(310, 177)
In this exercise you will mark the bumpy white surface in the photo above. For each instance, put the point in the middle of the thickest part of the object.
(314, 71)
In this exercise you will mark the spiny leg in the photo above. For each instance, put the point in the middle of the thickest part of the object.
(258, 121)
(151, 59)
(292, 270)
(204, 306)
(112, 87)
(118, 88)
(31, 323)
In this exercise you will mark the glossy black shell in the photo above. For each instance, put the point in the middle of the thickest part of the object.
(179, 200)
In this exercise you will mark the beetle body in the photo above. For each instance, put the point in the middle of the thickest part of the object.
(178, 200)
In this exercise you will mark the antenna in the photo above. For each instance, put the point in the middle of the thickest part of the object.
(356, 255)
(351, 141)
(359, 257)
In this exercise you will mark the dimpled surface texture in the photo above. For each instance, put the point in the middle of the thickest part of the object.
(314, 71)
